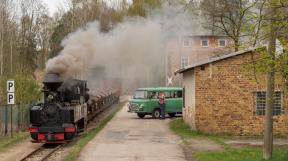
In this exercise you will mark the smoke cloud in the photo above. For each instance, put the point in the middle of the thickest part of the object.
(133, 51)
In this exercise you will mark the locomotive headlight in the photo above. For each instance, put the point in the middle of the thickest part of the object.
(50, 97)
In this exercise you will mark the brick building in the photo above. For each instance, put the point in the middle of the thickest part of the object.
(186, 50)
(223, 96)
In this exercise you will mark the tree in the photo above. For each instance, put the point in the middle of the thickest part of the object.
(272, 25)
(275, 27)
(227, 17)
(3, 30)
(31, 13)
(43, 28)
(268, 125)
(140, 7)
(81, 13)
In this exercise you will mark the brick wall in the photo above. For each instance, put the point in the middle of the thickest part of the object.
(225, 99)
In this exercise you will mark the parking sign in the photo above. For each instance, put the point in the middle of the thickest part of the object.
(10, 99)
(10, 86)
(10, 92)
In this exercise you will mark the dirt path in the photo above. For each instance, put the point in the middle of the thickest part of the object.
(251, 142)
(17, 151)
(127, 138)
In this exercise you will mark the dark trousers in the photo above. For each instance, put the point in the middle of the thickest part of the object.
(162, 108)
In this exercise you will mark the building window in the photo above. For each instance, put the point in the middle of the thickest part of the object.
(261, 103)
(186, 43)
(184, 61)
(204, 43)
(222, 43)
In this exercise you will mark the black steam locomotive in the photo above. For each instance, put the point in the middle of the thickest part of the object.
(67, 108)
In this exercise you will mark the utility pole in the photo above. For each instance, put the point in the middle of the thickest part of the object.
(11, 56)
(268, 122)
(2, 38)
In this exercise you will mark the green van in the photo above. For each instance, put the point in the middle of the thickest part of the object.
(145, 101)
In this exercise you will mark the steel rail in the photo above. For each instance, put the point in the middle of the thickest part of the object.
(41, 148)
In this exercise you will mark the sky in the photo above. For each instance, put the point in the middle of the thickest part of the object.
(53, 5)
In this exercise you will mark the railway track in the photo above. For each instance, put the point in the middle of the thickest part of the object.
(42, 153)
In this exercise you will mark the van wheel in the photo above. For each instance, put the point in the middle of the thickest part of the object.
(172, 114)
(141, 115)
(156, 113)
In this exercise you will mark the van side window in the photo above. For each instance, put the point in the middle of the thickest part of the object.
(153, 95)
(168, 95)
(174, 94)
(179, 94)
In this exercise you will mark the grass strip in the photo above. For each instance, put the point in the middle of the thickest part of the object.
(79, 145)
(229, 153)
(8, 140)
(242, 154)
(179, 127)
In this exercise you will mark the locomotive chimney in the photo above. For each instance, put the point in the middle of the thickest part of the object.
(52, 81)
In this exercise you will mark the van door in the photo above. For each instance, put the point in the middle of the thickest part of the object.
(173, 101)
(169, 102)
(153, 101)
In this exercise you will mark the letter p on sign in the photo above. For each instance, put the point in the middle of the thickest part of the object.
(10, 94)
(10, 98)
(10, 86)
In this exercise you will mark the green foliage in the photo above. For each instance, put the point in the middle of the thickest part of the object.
(282, 66)
(259, 62)
(141, 7)
(243, 154)
(258, 66)
(28, 47)
(27, 89)
(61, 30)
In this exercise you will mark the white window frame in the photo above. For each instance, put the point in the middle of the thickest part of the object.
(219, 44)
(207, 43)
(260, 112)
(182, 63)
(186, 40)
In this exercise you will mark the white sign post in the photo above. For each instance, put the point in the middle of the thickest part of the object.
(11, 100)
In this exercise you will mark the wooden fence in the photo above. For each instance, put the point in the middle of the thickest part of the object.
(19, 121)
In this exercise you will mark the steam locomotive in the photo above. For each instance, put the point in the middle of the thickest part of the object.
(68, 106)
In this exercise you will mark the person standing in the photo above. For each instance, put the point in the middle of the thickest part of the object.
(162, 104)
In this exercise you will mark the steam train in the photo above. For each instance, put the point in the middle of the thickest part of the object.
(68, 106)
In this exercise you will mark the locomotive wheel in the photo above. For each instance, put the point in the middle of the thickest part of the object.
(141, 115)
(81, 125)
(156, 113)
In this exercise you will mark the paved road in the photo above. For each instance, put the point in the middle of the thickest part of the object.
(127, 138)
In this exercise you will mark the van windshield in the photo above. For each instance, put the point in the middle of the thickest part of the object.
(140, 95)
